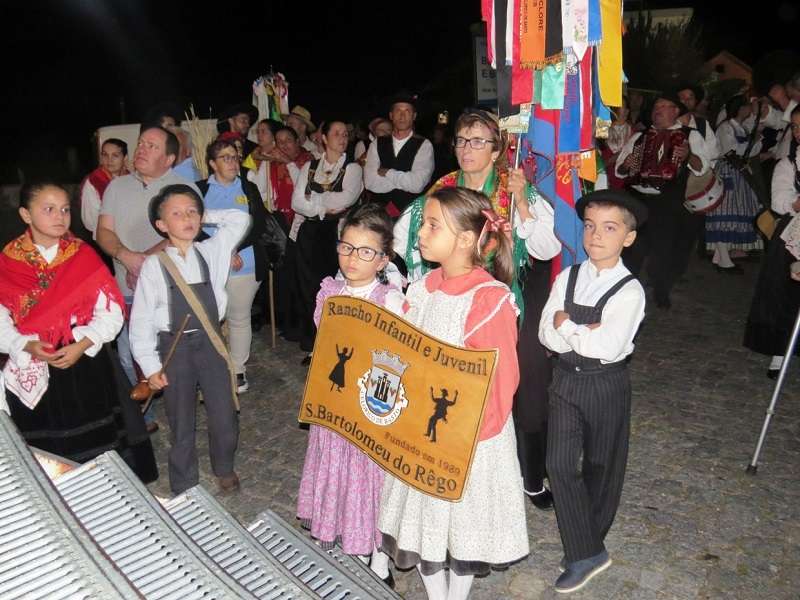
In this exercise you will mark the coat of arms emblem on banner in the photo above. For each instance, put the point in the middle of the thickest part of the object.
(382, 396)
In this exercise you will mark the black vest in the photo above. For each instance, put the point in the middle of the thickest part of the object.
(402, 162)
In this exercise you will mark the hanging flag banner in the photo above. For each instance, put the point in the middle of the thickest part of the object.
(410, 402)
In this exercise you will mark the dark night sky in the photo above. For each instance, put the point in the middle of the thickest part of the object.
(68, 63)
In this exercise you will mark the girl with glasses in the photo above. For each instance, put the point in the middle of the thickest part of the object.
(340, 488)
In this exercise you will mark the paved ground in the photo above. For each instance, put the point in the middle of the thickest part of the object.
(691, 523)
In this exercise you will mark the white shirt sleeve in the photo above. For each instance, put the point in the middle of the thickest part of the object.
(697, 146)
(143, 332)
(711, 143)
(232, 225)
(538, 233)
(318, 204)
(625, 153)
(12, 341)
(419, 176)
(726, 140)
(774, 119)
(548, 335)
(617, 328)
(373, 181)
(90, 207)
(783, 192)
(104, 326)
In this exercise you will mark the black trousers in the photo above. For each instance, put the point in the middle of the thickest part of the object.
(665, 241)
(587, 451)
(316, 259)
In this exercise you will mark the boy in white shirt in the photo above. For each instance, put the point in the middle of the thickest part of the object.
(589, 321)
(200, 358)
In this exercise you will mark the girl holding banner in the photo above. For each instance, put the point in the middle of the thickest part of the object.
(340, 487)
(463, 304)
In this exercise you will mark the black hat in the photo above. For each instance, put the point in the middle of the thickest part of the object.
(160, 110)
(405, 97)
(672, 96)
(164, 194)
(242, 107)
(698, 90)
(617, 198)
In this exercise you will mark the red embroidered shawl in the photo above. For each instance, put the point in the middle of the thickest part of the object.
(42, 298)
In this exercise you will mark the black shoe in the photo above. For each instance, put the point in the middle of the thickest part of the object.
(306, 361)
(773, 373)
(734, 270)
(542, 500)
(389, 580)
(241, 383)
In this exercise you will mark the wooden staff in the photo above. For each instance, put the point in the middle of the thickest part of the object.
(513, 208)
(142, 391)
(272, 307)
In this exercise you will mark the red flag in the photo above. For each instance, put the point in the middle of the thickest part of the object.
(521, 79)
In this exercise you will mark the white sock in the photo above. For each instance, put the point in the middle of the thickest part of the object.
(721, 256)
(460, 585)
(541, 491)
(435, 585)
(364, 558)
(775, 363)
(379, 563)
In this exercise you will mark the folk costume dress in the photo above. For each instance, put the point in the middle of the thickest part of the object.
(732, 221)
(62, 295)
(776, 299)
(535, 244)
(487, 526)
(340, 488)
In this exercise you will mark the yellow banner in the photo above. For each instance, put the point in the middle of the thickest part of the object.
(411, 402)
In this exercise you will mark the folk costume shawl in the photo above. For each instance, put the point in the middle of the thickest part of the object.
(100, 178)
(44, 298)
(496, 189)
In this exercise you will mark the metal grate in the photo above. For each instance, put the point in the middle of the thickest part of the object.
(330, 575)
(146, 544)
(44, 551)
(232, 547)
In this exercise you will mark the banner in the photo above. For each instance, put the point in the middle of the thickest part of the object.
(410, 402)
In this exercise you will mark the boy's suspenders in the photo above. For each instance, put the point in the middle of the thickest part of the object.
(200, 313)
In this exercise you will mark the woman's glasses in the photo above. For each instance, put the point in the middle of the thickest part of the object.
(365, 253)
(228, 158)
(475, 143)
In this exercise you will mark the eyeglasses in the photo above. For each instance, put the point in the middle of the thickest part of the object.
(475, 143)
(228, 158)
(365, 253)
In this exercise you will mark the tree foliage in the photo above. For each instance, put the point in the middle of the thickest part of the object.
(659, 57)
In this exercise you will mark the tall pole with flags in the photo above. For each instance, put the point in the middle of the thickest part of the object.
(559, 68)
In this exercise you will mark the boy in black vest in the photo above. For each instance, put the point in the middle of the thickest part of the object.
(589, 321)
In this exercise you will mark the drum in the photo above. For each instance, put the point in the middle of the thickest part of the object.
(703, 192)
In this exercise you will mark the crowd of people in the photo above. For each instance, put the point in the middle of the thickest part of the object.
(447, 235)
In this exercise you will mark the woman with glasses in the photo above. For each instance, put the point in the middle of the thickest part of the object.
(225, 189)
(480, 152)
(325, 188)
